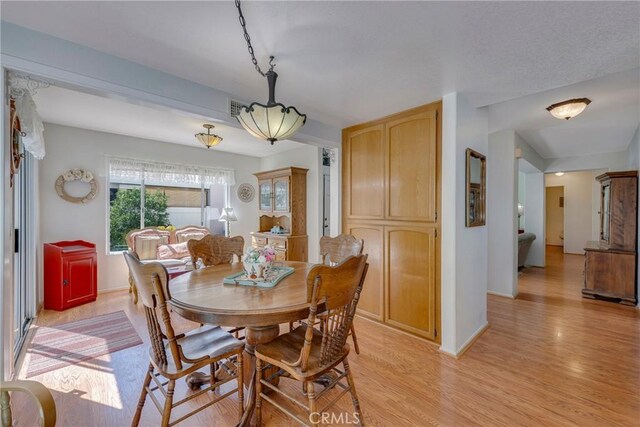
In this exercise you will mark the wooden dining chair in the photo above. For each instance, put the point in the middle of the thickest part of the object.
(40, 394)
(306, 354)
(214, 250)
(176, 356)
(334, 250)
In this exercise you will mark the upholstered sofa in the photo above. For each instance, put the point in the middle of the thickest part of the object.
(525, 240)
(166, 246)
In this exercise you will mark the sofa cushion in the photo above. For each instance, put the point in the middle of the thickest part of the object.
(172, 251)
(183, 238)
(147, 246)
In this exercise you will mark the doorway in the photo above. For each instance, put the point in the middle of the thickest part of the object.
(554, 233)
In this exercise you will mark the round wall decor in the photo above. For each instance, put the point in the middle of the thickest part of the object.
(246, 192)
(76, 175)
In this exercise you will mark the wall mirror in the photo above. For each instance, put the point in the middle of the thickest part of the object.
(475, 188)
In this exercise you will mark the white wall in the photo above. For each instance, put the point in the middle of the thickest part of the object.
(502, 214)
(534, 208)
(578, 208)
(633, 151)
(308, 157)
(610, 161)
(69, 147)
(463, 250)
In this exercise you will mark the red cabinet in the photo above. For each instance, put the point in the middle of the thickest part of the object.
(70, 274)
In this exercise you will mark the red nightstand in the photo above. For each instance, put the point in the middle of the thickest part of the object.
(70, 274)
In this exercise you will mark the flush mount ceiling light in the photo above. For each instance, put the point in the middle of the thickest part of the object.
(566, 110)
(559, 173)
(208, 139)
(274, 121)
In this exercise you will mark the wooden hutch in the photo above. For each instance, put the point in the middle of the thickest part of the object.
(282, 200)
(610, 264)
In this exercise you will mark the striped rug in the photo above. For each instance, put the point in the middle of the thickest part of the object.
(54, 347)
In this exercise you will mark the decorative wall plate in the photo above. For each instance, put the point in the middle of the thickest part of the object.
(246, 192)
(76, 175)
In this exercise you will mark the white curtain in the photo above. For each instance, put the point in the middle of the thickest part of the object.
(134, 170)
(31, 125)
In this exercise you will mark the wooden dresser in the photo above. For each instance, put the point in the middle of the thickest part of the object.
(282, 199)
(391, 197)
(610, 264)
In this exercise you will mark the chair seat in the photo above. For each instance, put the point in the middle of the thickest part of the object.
(209, 341)
(288, 346)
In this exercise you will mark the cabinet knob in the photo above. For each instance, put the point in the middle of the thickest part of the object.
(65, 282)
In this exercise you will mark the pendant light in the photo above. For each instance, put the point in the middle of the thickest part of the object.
(273, 121)
(208, 139)
(566, 110)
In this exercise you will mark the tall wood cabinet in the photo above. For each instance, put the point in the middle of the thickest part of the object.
(610, 263)
(391, 197)
(282, 201)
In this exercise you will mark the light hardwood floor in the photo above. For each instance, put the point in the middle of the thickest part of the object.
(549, 358)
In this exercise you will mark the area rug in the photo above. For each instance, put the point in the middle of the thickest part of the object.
(54, 347)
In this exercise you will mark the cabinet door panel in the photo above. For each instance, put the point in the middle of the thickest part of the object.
(411, 280)
(411, 167)
(281, 194)
(78, 273)
(265, 195)
(364, 180)
(371, 298)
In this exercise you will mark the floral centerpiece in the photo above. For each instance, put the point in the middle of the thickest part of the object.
(257, 262)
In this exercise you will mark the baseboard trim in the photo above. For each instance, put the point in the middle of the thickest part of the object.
(108, 291)
(469, 343)
(499, 294)
(400, 331)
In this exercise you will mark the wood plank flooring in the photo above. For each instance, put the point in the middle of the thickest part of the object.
(549, 358)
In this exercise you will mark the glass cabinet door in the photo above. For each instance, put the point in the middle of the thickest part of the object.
(281, 195)
(265, 195)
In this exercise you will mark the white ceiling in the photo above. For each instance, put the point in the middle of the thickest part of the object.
(71, 108)
(607, 124)
(348, 62)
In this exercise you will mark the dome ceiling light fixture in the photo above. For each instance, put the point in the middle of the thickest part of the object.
(271, 122)
(566, 110)
(208, 139)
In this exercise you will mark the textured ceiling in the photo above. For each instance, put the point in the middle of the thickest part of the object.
(71, 108)
(606, 125)
(347, 62)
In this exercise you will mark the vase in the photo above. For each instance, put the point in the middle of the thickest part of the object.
(256, 270)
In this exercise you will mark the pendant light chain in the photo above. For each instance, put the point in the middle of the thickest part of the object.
(243, 23)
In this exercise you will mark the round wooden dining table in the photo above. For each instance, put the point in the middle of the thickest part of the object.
(201, 296)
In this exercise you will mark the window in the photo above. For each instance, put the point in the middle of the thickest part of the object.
(168, 195)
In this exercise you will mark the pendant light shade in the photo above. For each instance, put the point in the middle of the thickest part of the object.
(566, 110)
(208, 139)
(271, 122)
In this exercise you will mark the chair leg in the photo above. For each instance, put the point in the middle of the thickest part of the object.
(240, 380)
(168, 403)
(314, 418)
(290, 326)
(355, 339)
(258, 381)
(143, 397)
(213, 378)
(352, 390)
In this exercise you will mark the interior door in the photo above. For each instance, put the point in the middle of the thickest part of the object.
(326, 207)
